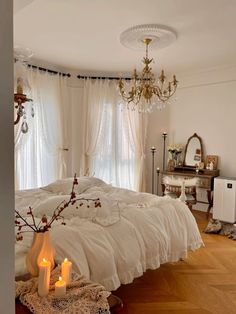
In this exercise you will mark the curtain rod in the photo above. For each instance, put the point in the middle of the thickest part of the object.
(101, 77)
(49, 71)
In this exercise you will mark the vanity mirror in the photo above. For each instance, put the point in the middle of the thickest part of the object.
(193, 151)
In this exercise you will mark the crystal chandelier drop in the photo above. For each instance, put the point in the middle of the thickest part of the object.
(146, 92)
(22, 88)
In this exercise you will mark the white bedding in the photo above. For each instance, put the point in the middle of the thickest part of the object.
(113, 244)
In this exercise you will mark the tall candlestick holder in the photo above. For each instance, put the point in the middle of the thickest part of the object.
(164, 135)
(158, 173)
(153, 150)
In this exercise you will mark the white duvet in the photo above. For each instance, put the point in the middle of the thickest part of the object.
(111, 245)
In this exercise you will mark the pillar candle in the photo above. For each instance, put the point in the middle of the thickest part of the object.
(66, 268)
(44, 277)
(60, 288)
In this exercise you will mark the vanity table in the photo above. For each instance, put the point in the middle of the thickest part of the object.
(193, 166)
(206, 180)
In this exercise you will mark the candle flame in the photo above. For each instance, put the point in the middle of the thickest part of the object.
(66, 259)
(60, 278)
(44, 260)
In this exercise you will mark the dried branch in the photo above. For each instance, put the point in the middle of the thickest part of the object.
(44, 224)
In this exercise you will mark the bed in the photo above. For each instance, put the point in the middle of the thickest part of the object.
(117, 242)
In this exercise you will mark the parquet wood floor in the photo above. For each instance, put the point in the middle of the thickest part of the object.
(203, 283)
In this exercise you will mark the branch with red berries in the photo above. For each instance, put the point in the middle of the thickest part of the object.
(45, 224)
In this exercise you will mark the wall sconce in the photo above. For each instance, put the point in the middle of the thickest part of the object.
(20, 98)
(22, 87)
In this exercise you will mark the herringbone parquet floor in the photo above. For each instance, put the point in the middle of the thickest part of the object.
(203, 283)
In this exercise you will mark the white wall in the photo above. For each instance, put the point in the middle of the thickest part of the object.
(210, 111)
(7, 286)
(206, 104)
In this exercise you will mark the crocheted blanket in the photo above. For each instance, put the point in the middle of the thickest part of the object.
(82, 296)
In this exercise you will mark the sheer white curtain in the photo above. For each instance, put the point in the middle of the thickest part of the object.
(114, 137)
(39, 154)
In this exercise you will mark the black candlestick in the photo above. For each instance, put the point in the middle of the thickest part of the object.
(153, 150)
(164, 135)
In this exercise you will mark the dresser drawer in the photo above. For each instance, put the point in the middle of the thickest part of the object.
(204, 183)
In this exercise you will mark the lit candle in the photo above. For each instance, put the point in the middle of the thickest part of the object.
(66, 268)
(19, 88)
(158, 169)
(44, 277)
(60, 288)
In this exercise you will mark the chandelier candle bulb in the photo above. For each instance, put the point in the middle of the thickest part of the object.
(44, 277)
(60, 288)
(66, 269)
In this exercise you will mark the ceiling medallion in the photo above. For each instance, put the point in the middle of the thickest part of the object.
(161, 36)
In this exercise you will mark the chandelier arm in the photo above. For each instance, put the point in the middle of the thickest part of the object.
(164, 97)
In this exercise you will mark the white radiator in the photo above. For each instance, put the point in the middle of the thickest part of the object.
(224, 202)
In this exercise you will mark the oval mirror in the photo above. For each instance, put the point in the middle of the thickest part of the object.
(193, 151)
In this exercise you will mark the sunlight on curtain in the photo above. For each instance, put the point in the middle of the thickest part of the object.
(39, 158)
(114, 136)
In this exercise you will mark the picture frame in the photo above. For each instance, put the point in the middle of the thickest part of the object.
(213, 159)
(201, 165)
(171, 165)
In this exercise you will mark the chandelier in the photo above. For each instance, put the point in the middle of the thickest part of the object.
(21, 88)
(147, 93)
(144, 92)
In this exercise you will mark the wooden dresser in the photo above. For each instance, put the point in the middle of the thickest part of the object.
(206, 180)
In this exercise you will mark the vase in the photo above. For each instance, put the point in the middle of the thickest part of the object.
(41, 248)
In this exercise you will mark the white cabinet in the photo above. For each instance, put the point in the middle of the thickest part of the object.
(224, 203)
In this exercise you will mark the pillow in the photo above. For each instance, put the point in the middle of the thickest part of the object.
(64, 186)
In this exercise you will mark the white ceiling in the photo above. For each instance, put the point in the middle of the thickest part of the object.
(84, 34)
